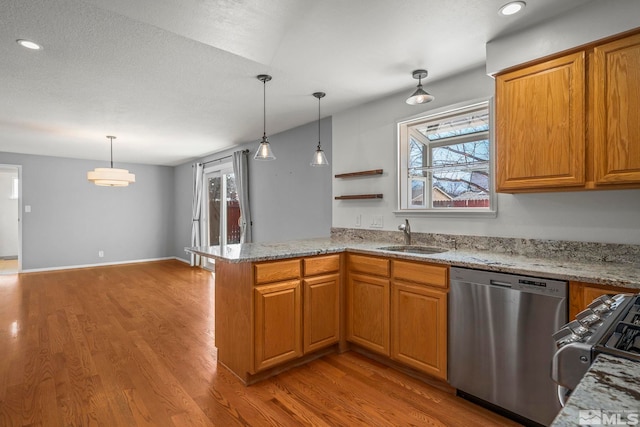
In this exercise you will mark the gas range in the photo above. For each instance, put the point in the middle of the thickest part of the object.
(610, 324)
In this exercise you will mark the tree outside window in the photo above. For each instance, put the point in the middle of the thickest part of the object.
(445, 161)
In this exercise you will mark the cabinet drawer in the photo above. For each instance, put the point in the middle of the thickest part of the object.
(369, 265)
(428, 274)
(321, 265)
(279, 270)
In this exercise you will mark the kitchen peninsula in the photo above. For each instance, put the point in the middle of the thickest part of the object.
(282, 304)
(262, 309)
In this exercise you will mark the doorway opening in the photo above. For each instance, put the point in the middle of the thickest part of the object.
(10, 219)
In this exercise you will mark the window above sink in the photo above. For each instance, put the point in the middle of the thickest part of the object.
(445, 161)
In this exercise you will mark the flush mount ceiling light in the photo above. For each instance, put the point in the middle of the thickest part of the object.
(319, 159)
(264, 150)
(420, 96)
(512, 8)
(111, 177)
(29, 44)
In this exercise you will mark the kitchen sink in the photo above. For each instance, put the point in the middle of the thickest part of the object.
(414, 249)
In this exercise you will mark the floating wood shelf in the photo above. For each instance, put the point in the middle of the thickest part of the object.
(361, 173)
(359, 197)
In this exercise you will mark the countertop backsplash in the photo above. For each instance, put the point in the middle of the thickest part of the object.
(536, 248)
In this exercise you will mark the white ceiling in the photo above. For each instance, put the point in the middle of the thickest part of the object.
(175, 79)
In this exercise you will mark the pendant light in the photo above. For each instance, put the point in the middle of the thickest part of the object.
(420, 96)
(111, 177)
(264, 150)
(319, 159)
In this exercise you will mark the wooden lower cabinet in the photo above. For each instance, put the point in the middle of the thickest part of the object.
(368, 312)
(275, 314)
(277, 323)
(296, 309)
(321, 310)
(419, 327)
(581, 294)
(399, 311)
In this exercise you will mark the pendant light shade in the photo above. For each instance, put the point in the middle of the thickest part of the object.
(264, 150)
(319, 159)
(420, 96)
(111, 177)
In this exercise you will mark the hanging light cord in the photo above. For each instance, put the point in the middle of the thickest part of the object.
(264, 109)
(319, 123)
(319, 95)
(111, 138)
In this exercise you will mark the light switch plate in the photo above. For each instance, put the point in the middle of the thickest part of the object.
(377, 221)
(27, 208)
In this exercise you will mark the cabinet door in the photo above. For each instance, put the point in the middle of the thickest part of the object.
(321, 310)
(368, 312)
(540, 132)
(581, 294)
(277, 324)
(419, 328)
(616, 111)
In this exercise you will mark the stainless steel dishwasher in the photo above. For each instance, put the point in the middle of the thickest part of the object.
(500, 344)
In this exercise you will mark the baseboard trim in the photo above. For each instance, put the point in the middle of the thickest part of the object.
(186, 261)
(103, 264)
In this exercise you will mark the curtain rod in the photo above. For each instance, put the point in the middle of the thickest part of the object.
(225, 157)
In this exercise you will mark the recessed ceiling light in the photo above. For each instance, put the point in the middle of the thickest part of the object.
(29, 44)
(512, 8)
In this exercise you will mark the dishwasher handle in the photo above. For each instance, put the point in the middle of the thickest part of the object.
(499, 283)
(563, 395)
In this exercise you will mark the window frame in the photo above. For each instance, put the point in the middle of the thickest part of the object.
(402, 157)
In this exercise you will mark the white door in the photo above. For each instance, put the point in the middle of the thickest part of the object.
(221, 210)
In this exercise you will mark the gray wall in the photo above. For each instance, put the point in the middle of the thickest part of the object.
(365, 138)
(289, 198)
(72, 219)
(593, 21)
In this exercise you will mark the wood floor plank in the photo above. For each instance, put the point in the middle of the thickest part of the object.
(133, 345)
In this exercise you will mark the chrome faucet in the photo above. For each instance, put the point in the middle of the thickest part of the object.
(406, 230)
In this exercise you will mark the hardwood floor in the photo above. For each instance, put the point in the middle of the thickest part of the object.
(132, 345)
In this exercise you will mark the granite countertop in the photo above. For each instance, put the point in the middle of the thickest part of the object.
(611, 387)
(606, 273)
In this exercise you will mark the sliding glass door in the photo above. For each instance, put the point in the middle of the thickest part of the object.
(221, 209)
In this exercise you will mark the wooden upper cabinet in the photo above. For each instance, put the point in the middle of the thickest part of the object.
(563, 125)
(616, 111)
(540, 114)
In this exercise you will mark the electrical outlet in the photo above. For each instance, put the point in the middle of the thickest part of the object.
(101, 254)
(358, 220)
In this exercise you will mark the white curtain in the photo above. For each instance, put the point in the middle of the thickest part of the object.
(241, 173)
(196, 211)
